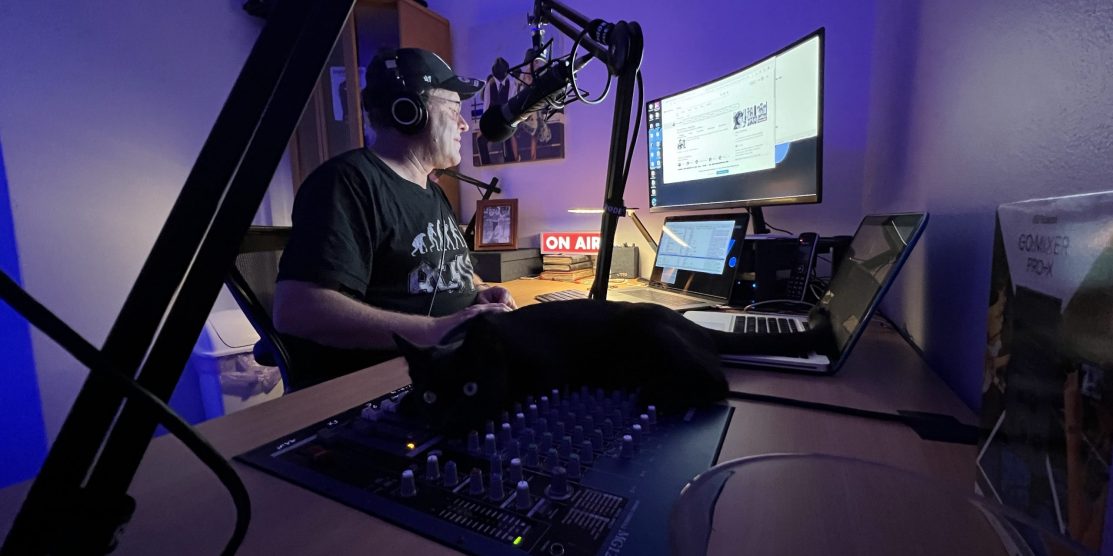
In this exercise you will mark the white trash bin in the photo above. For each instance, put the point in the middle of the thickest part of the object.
(229, 377)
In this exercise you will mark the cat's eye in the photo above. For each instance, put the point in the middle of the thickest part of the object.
(470, 389)
(430, 397)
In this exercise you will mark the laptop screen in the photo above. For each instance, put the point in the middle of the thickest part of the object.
(877, 251)
(699, 254)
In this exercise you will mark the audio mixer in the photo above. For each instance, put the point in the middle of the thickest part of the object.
(566, 473)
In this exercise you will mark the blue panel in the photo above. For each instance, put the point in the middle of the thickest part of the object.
(22, 435)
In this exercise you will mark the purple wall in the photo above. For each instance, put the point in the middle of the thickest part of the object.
(103, 111)
(684, 47)
(975, 104)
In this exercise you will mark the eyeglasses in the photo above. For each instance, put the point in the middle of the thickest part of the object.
(459, 104)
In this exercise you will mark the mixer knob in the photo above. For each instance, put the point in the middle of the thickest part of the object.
(636, 433)
(432, 468)
(505, 434)
(652, 412)
(522, 500)
(558, 487)
(496, 465)
(517, 407)
(515, 470)
(555, 396)
(565, 446)
(473, 442)
(552, 459)
(489, 446)
(409, 487)
(546, 441)
(531, 456)
(495, 492)
(544, 404)
(527, 437)
(558, 429)
(588, 423)
(578, 434)
(587, 453)
(541, 426)
(519, 422)
(574, 466)
(504, 416)
(514, 450)
(475, 482)
(531, 413)
(489, 427)
(627, 446)
(597, 439)
(450, 477)
(608, 428)
(643, 420)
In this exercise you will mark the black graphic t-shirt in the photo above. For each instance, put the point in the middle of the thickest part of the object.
(363, 230)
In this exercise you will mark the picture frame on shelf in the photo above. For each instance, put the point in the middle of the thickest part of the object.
(496, 223)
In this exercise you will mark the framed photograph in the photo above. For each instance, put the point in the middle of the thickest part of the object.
(496, 222)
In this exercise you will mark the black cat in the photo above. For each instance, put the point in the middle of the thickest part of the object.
(496, 359)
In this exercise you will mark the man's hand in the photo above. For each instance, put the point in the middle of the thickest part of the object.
(496, 294)
(441, 326)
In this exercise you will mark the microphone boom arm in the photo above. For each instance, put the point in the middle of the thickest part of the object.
(620, 47)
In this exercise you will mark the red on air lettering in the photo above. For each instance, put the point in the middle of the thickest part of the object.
(570, 243)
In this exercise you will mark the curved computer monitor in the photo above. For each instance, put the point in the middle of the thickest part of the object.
(748, 139)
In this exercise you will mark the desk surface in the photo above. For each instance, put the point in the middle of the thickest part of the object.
(182, 509)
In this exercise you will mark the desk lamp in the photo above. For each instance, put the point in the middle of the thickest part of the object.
(630, 211)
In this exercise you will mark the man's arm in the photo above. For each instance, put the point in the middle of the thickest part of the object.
(330, 318)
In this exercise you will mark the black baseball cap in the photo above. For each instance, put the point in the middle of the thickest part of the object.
(419, 70)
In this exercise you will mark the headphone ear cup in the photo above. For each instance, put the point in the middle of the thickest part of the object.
(408, 113)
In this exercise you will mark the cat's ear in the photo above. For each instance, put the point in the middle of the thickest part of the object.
(417, 358)
(411, 351)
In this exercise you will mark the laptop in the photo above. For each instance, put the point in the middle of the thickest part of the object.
(877, 252)
(697, 258)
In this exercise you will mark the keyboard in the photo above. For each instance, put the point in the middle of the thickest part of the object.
(562, 295)
(762, 324)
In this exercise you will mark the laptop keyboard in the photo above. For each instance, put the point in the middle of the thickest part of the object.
(764, 324)
(562, 295)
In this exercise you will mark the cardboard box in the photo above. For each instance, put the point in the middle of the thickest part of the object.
(1047, 390)
(503, 266)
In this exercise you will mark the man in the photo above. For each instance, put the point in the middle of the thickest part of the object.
(375, 249)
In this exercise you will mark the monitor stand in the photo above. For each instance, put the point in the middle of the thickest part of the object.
(757, 220)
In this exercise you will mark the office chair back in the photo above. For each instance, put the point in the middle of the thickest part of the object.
(251, 281)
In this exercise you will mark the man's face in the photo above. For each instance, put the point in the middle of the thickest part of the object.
(446, 124)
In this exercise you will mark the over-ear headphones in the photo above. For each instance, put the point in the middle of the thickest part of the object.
(407, 110)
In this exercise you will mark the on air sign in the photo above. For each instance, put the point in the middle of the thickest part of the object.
(586, 243)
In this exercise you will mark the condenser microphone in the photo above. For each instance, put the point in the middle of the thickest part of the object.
(499, 121)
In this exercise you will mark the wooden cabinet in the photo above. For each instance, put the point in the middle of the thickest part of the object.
(334, 121)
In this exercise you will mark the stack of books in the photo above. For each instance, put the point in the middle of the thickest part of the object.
(567, 268)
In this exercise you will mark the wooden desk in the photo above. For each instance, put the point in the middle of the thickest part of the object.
(182, 509)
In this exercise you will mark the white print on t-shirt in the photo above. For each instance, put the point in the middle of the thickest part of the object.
(453, 271)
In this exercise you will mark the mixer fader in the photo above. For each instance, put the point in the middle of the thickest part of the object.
(568, 472)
